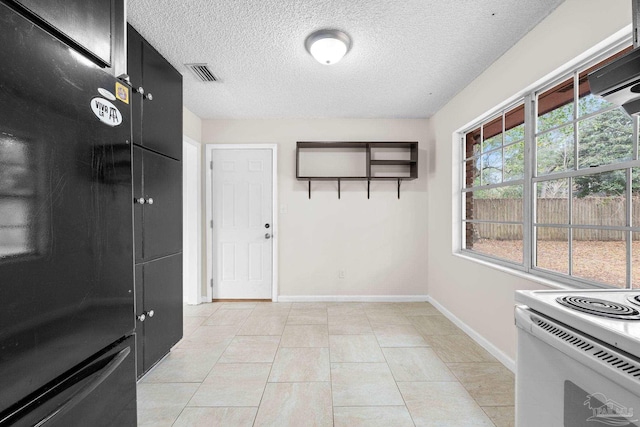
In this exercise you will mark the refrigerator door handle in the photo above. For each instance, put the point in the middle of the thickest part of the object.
(103, 374)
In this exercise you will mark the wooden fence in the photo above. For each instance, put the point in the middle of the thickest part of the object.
(588, 211)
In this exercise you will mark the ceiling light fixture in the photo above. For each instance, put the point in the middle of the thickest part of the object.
(328, 46)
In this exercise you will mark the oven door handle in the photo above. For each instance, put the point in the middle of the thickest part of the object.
(582, 348)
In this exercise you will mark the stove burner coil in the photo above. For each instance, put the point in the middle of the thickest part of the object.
(599, 307)
(634, 299)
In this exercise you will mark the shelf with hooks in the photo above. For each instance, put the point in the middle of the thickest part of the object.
(356, 161)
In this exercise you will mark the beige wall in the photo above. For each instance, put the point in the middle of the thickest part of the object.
(480, 296)
(381, 243)
(191, 125)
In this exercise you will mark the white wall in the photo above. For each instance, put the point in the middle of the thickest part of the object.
(191, 125)
(192, 129)
(381, 243)
(480, 296)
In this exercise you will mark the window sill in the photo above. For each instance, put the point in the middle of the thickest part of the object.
(520, 274)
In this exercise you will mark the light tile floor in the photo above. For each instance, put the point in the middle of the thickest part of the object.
(325, 364)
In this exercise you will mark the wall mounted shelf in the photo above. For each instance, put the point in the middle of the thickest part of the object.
(356, 161)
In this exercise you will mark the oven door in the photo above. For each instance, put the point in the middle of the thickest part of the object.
(565, 378)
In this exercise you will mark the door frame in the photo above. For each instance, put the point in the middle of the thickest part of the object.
(274, 211)
(196, 294)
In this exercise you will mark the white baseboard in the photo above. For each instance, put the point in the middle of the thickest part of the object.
(482, 341)
(352, 298)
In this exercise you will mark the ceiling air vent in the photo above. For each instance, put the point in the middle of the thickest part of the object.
(202, 72)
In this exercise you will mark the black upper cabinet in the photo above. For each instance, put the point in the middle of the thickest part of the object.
(134, 70)
(157, 100)
(93, 27)
(158, 207)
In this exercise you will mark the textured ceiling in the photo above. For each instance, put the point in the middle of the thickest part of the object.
(408, 57)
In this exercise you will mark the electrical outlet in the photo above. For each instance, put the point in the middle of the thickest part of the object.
(341, 274)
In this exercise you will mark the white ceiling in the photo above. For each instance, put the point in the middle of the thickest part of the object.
(408, 57)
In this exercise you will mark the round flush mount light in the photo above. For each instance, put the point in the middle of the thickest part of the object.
(328, 46)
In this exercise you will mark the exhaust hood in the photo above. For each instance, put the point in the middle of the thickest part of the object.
(619, 81)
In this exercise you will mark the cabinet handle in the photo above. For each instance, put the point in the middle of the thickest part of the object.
(150, 201)
(150, 313)
(140, 201)
(267, 236)
(141, 90)
(149, 97)
(141, 317)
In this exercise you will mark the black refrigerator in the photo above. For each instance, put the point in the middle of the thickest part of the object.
(66, 248)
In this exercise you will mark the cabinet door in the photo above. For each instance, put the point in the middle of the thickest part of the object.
(138, 194)
(162, 105)
(163, 296)
(162, 212)
(134, 70)
(84, 22)
(139, 331)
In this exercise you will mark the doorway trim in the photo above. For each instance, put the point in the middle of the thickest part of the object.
(209, 210)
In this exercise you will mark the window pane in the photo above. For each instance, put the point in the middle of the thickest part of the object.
(555, 106)
(552, 249)
(635, 197)
(492, 167)
(514, 125)
(472, 143)
(599, 199)
(498, 240)
(472, 173)
(552, 201)
(492, 134)
(635, 260)
(498, 204)
(600, 256)
(514, 161)
(605, 138)
(555, 151)
(590, 104)
(468, 206)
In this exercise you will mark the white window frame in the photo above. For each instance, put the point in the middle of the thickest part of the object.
(609, 47)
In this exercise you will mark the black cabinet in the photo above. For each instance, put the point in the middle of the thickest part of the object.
(157, 100)
(157, 199)
(157, 191)
(93, 27)
(159, 297)
(162, 280)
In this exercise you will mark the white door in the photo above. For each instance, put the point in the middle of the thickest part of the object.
(242, 223)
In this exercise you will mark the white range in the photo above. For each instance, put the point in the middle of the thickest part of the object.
(578, 361)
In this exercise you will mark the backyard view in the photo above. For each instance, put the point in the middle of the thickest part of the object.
(584, 213)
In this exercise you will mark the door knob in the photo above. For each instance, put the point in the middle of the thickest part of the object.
(141, 90)
(267, 236)
(148, 97)
(150, 313)
(150, 201)
(141, 317)
(140, 200)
